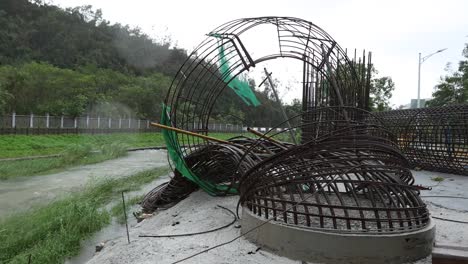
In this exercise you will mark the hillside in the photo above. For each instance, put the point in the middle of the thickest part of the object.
(73, 62)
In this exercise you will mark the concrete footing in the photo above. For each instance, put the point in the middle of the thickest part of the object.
(330, 247)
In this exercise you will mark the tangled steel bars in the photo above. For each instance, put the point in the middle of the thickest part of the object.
(347, 174)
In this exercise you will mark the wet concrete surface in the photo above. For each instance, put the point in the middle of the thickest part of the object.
(451, 237)
(22, 193)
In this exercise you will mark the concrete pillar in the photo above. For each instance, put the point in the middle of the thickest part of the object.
(31, 120)
(13, 120)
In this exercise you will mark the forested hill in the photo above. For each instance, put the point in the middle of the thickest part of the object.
(78, 36)
(74, 62)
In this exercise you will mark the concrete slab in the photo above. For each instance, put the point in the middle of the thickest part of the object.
(451, 237)
(329, 247)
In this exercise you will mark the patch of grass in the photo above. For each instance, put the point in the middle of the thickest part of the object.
(34, 145)
(74, 150)
(73, 155)
(437, 179)
(53, 233)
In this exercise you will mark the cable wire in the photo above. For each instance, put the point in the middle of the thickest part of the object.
(451, 197)
(199, 233)
(264, 223)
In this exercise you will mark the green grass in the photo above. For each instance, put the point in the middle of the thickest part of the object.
(437, 179)
(52, 233)
(73, 155)
(22, 145)
(74, 150)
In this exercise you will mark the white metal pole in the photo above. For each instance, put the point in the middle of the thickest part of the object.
(13, 120)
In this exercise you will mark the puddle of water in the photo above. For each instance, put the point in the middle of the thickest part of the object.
(88, 248)
(22, 193)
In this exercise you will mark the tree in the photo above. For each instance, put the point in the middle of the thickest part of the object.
(4, 97)
(380, 93)
(453, 88)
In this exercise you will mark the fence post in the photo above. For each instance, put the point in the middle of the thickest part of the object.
(129, 123)
(31, 120)
(87, 121)
(139, 123)
(98, 122)
(13, 120)
(147, 124)
(47, 124)
(75, 122)
(110, 122)
(61, 121)
(120, 122)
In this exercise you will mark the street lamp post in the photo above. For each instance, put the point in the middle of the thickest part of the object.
(421, 60)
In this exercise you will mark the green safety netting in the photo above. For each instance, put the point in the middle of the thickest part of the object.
(175, 152)
(240, 86)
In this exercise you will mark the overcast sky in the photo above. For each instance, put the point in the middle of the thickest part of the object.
(395, 31)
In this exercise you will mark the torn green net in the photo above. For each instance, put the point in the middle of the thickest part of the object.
(239, 86)
(175, 152)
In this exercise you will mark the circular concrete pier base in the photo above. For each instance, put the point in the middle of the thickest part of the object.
(330, 247)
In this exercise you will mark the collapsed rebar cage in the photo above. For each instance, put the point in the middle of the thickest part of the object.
(345, 174)
(351, 177)
(218, 67)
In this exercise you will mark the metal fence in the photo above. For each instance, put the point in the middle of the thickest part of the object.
(47, 124)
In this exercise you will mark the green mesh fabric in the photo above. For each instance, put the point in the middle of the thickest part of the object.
(240, 87)
(174, 150)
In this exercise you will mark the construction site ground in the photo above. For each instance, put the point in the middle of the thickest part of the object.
(200, 212)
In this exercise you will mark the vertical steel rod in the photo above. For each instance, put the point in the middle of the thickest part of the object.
(285, 116)
(125, 217)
